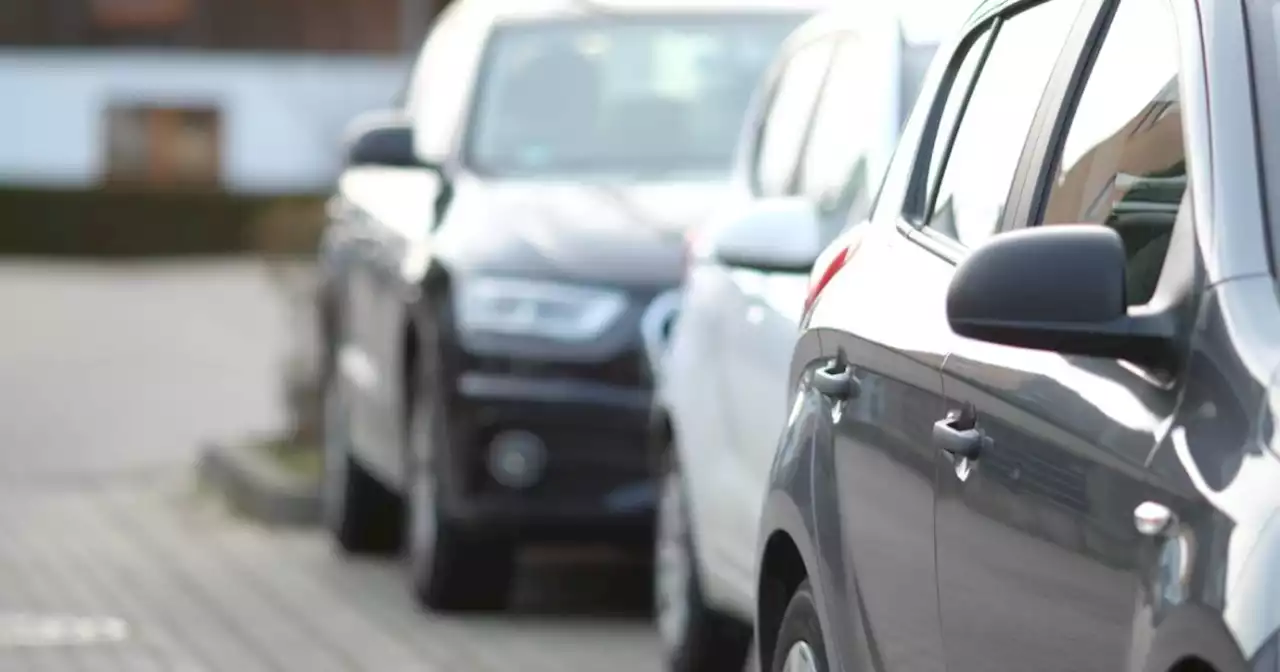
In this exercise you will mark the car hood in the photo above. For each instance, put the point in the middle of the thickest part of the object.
(603, 233)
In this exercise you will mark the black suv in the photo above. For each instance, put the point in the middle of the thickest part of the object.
(495, 245)
(1034, 415)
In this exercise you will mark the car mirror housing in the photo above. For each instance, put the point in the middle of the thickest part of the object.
(381, 138)
(779, 234)
(1059, 288)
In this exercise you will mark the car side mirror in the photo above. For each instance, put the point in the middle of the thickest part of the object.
(779, 234)
(382, 138)
(1059, 288)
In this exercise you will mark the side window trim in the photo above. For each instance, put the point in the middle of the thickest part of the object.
(1090, 18)
(918, 188)
(766, 109)
(931, 196)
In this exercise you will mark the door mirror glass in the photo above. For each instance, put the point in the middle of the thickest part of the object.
(779, 234)
(1057, 288)
(383, 138)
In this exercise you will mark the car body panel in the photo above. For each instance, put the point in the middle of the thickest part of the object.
(874, 485)
(734, 339)
(1040, 564)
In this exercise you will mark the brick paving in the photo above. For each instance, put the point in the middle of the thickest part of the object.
(111, 560)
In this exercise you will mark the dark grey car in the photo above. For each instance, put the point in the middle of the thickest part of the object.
(1018, 446)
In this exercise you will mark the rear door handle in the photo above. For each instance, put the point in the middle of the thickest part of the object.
(964, 443)
(836, 380)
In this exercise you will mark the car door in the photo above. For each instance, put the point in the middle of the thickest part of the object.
(1038, 554)
(356, 361)
(882, 338)
(400, 206)
(394, 227)
(849, 140)
(750, 315)
(888, 334)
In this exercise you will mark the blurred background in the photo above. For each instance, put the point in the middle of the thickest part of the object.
(165, 171)
(164, 166)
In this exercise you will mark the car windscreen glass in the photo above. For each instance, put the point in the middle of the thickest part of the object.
(641, 96)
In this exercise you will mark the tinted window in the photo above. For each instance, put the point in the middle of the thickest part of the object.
(787, 119)
(851, 129)
(1123, 163)
(979, 169)
(642, 96)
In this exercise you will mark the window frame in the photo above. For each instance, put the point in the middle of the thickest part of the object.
(922, 192)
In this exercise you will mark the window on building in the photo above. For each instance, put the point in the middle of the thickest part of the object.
(154, 146)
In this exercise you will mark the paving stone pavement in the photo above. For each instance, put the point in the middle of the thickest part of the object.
(195, 589)
(111, 560)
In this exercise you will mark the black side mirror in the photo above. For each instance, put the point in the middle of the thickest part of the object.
(383, 138)
(1059, 288)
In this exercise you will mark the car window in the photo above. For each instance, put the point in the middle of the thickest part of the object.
(979, 168)
(1123, 163)
(786, 122)
(848, 137)
(957, 94)
(655, 96)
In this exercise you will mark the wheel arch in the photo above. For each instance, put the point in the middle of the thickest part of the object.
(782, 570)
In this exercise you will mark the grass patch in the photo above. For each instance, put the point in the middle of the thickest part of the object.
(301, 459)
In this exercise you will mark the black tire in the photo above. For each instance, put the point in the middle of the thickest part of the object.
(800, 626)
(362, 514)
(450, 568)
(704, 640)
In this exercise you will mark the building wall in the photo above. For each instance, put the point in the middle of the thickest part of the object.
(280, 116)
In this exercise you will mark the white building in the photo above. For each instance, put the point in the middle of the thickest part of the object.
(245, 96)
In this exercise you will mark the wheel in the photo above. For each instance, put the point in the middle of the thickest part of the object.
(694, 637)
(801, 647)
(362, 515)
(450, 568)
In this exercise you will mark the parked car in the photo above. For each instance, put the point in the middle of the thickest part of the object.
(1019, 445)
(498, 240)
(818, 138)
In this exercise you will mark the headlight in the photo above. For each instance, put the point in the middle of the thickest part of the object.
(535, 308)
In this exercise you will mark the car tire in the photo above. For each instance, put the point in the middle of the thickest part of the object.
(800, 644)
(361, 514)
(694, 636)
(450, 568)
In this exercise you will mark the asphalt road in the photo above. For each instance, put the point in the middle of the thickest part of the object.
(111, 377)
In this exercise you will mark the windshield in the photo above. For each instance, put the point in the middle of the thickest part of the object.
(641, 96)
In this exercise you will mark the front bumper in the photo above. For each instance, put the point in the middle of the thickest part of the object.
(596, 483)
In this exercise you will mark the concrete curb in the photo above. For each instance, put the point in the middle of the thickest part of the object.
(256, 486)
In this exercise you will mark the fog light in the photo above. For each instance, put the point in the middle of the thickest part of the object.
(517, 459)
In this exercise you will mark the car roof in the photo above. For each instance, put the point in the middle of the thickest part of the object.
(503, 11)
(925, 22)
